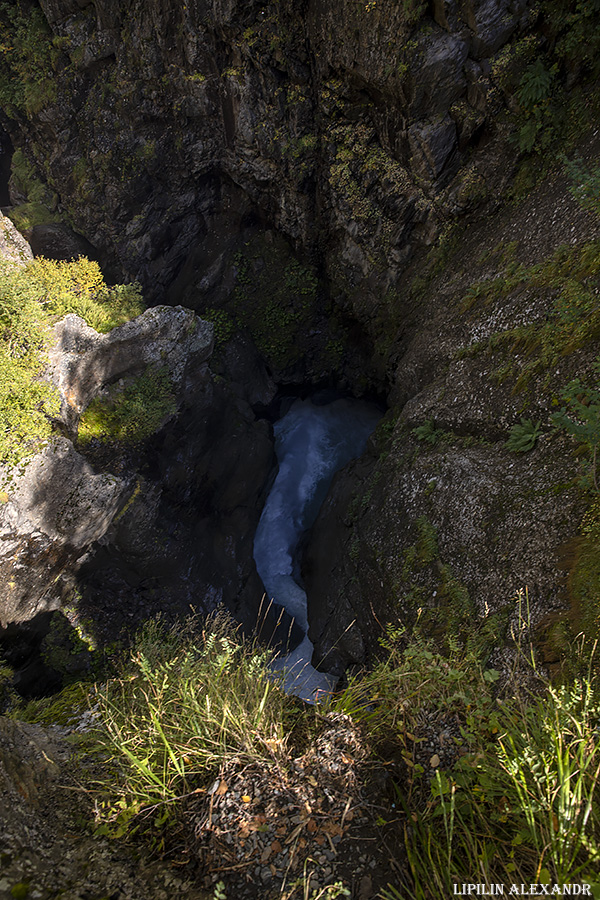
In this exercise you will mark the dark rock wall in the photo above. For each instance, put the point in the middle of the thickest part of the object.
(348, 127)
(348, 136)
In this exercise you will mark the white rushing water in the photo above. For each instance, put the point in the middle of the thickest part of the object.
(312, 442)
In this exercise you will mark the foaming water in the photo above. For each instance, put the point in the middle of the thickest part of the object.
(312, 443)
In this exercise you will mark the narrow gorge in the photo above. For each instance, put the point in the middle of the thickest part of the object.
(300, 320)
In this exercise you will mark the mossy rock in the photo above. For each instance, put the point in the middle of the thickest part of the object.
(584, 576)
(275, 298)
(132, 413)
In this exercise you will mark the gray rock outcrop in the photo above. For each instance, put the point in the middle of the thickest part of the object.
(188, 527)
(83, 362)
(14, 249)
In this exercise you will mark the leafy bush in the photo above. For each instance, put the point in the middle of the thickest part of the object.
(79, 287)
(523, 437)
(32, 297)
(187, 705)
(534, 96)
(26, 402)
(132, 413)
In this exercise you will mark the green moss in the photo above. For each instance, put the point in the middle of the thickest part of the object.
(40, 203)
(224, 325)
(275, 299)
(130, 414)
(63, 649)
(584, 576)
(64, 708)
(572, 275)
(27, 215)
(28, 59)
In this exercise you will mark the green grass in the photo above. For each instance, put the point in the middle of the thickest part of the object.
(509, 796)
(515, 798)
(521, 808)
(188, 704)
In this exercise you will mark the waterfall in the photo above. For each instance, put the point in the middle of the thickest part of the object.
(312, 442)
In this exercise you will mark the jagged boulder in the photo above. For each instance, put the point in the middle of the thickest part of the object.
(83, 362)
(57, 505)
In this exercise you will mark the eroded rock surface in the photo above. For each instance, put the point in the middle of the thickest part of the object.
(351, 129)
(83, 362)
(47, 847)
(450, 527)
(13, 246)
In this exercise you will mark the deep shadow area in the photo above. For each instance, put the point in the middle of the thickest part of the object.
(43, 653)
(6, 153)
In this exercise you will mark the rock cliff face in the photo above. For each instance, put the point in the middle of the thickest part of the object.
(441, 522)
(327, 181)
(353, 129)
(113, 532)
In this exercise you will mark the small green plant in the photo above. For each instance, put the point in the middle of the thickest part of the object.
(224, 325)
(585, 183)
(581, 418)
(428, 433)
(534, 96)
(219, 892)
(523, 436)
(519, 801)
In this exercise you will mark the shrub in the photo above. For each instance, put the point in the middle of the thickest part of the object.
(31, 298)
(79, 287)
